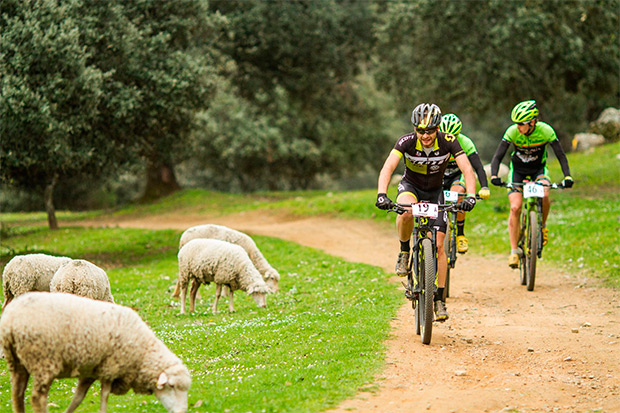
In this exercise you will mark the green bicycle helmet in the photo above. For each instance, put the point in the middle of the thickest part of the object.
(524, 111)
(426, 115)
(451, 124)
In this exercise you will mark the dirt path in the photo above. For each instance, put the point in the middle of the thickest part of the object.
(503, 348)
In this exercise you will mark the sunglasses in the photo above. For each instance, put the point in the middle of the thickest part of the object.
(524, 123)
(428, 131)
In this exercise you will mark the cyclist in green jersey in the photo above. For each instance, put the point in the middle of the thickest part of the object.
(528, 161)
(453, 178)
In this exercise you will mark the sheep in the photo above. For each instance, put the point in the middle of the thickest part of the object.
(58, 335)
(210, 260)
(83, 278)
(31, 272)
(270, 274)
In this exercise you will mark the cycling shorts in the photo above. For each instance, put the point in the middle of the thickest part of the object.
(450, 181)
(436, 197)
(515, 176)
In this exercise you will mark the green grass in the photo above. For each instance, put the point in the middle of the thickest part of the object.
(320, 339)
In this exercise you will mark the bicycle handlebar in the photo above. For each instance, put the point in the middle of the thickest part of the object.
(554, 185)
(401, 208)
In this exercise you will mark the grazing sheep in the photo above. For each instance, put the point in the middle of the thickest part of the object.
(31, 272)
(210, 260)
(84, 278)
(270, 274)
(58, 335)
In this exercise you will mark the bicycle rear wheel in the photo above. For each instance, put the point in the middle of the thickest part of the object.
(424, 309)
(532, 249)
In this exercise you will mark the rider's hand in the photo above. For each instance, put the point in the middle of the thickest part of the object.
(484, 193)
(497, 181)
(383, 202)
(567, 182)
(468, 203)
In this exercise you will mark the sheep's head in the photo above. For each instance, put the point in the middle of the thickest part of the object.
(272, 278)
(172, 387)
(260, 299)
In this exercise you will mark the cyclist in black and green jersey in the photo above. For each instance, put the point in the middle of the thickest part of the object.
(528, 161)
(453, 178)
(425, 153)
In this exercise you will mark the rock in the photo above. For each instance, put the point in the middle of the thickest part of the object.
(502, 173)
(460, 373)
(584, 141)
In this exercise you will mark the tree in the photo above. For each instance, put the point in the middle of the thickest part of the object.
(295, 107)
(49, 101)
(482, 58)
(160, 56)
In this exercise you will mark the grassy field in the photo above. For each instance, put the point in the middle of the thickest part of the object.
(321, 337)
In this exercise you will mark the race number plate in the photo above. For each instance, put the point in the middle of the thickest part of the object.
(424, 209)
(533, 190)
(451, 196)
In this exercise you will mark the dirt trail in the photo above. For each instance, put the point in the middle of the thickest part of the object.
(503, 348)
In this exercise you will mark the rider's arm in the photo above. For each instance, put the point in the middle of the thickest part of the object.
(499, 155)
(386, 172)
(476, 163)
(468, 173)
(559, 153)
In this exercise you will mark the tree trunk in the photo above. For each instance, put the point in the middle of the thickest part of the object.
(160, 180)
(48, 198)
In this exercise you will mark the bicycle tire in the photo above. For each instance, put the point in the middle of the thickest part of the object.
(532, 249)
(522, 244)
(428, 272)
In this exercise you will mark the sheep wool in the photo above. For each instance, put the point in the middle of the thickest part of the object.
(58, 335)
(209, 260)
(31, 272)
(270, 274)
(83, 278)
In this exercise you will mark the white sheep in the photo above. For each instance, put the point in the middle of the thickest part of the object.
(209, 260)
(270, 274)
(58, 335)
(84, 278)
(31, 272)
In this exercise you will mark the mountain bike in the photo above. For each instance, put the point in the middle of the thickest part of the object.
(530, 235)
(421, 284)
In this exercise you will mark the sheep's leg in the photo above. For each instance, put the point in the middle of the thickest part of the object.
(82, 388)
(40, 389)
(192, 295)
(19, 382)
(106, 387)
(231, 307)
(183, 296)
(177, 290)
(218, 293)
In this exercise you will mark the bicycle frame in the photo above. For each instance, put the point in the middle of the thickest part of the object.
(530, 237)
(422, 280)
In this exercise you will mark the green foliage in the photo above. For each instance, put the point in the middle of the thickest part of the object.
(319, 339)
(482, 58)
(50, 97)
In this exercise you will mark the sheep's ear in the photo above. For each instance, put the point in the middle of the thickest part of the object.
(163, 379)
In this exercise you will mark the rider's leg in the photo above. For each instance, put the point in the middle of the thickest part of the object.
(514, 227)
(514, 219)
(441, 313)
(442, 260)
(461, 241)
(404, 224)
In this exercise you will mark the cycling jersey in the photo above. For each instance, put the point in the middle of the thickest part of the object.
(422, 170)
(530, 153)
(453, 173)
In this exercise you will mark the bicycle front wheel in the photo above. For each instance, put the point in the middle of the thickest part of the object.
(428, 271)
(532, 249)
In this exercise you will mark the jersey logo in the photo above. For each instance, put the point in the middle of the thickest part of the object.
(449, 137)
